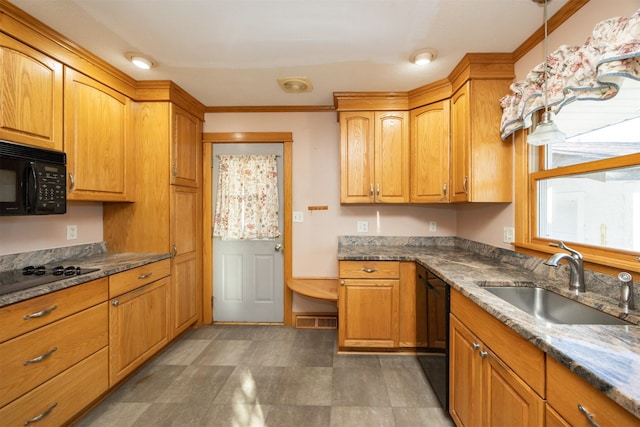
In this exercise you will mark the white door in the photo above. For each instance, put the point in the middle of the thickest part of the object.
(248, 275)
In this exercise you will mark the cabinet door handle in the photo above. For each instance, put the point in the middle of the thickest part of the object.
(72, 181)
(475, 345)
(483, 354)
(377, 189)
(371, 190)
(444, 191)
(40, 313)
(145, 276)
(175, 251)
(41, 357)
(341, 282)
(174, 169)
(587, 415)
(115, 303)
(42, 415)
(464, 185)
(369, 270)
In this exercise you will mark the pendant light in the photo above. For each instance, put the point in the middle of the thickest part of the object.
(546, 132)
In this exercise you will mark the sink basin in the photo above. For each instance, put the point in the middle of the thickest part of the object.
(553, 308)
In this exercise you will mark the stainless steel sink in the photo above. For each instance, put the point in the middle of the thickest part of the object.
(553, 308)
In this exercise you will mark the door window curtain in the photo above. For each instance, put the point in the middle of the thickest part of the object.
(247, 197)
(592, 71)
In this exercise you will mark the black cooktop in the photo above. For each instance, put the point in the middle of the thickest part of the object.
(36, 275)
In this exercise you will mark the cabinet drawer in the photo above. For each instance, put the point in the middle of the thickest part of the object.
(527, 361)
(136, 277)
(25, 316)
(70, 392)
(566, 390)
(73, 338)
(369, 270)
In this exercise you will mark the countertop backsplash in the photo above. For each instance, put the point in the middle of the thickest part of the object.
(602, 284)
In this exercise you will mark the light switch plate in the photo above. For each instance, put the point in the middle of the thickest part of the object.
(72, 232)
(298, 217)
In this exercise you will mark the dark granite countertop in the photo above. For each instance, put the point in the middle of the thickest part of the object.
(607, 356)
(108, 264)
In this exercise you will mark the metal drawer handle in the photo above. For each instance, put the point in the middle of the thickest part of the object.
(369, 270)
(587, 415)
(40, 313)
(41, 357)
(42, 415)
(483, 354)
(475, 345)
(145, 276)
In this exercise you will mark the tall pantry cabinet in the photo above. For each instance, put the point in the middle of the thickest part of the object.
(166, 215)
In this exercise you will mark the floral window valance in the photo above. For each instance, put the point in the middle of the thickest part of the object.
(592, 71)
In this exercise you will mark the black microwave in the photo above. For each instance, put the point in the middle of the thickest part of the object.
(32, 180)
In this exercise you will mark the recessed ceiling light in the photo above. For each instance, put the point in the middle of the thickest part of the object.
(140, 60)
(295, 84)
(423, 56)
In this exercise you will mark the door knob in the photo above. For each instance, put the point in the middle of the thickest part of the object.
(278, 247)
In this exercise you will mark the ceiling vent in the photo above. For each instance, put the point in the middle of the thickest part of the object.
(295, 84)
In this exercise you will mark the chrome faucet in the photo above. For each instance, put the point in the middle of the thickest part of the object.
(575, 260)
(626, 292)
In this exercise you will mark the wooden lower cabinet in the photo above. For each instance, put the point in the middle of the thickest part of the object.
(566, 392)
(58, 400)
(496, 377)
(138, 327)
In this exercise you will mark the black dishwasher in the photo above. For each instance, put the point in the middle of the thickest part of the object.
(432, 317)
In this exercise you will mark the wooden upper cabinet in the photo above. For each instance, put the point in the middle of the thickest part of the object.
(186, 148)
(374, 157)
(430, 153)
(30, 96)
(99, 158)
(481, 163)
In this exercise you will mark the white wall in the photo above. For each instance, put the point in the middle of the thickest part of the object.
(31, 233)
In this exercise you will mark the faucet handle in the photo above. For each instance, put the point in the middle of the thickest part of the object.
(626, 291)
(577, 255)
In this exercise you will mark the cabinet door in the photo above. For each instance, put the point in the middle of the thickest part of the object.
(460, 145)
(356, 157)
(368, 312)
(465, 372)
(185, 276)
(98, 159)
(30, 96)
(430, 153)
(186, 148)
(391, 153)
(138, 328)
(507, 400)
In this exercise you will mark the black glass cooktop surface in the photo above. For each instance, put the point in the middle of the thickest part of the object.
(36, 275)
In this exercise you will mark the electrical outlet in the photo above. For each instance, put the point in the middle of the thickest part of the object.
(72, 232)
(433, 226)
(298, 217)
(363, 226)
(509, 235)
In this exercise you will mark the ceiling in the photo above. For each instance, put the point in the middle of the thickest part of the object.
(232, 52)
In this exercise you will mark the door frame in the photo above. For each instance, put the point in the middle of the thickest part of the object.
(208, 139)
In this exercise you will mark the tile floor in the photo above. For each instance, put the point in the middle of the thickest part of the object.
(277, 376)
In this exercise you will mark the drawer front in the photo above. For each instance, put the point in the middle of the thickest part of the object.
(369, 269)
(566, 390)
(61, 398)
(136, 277)
(25, 316)
(33, 358)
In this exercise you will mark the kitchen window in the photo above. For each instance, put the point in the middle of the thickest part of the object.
(586, 191)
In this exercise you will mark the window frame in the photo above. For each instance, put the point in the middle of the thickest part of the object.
(606, 260)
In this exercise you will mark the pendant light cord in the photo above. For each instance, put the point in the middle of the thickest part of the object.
(546, 55)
